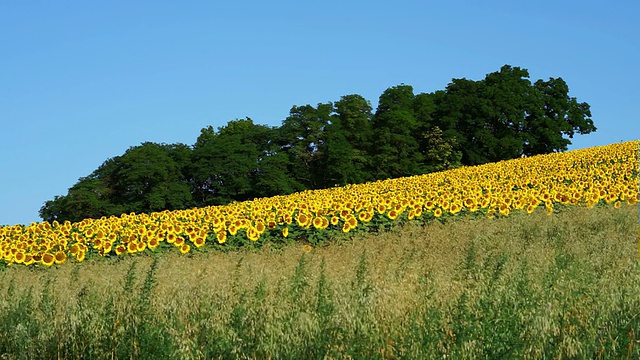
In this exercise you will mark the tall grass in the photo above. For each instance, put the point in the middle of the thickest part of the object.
(528, 286)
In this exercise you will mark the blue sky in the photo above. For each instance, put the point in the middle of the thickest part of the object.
(82, 81)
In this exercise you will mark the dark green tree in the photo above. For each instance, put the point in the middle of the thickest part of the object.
(239, 162)
(437, 148)
(554, 118)
(356, 117)
(88, 198)
(146, 178)
(460, 114)
(347, 138)
(342, 163)
(223, 164)
(395, 149)
(273, 176)
(509, 94)
(504, 116)
(303, 135)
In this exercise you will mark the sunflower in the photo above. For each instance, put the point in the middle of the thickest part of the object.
(381, 208)
(179, 241)
(303, 220)
(260, 227)
(47, 259)
(307, 248)
(191, 231)
(153, 243)
(19, 257)
(366, 216)
(141, 246)
(325, 222)
(429, 204)
(505, 211)
(132, 247)
(469, 202)
(60, 257)
(437, 212)
(221, 237)
(253, 234)
(28, 259)
(81, 255)
(285, 232)
(107, 247)
(120, 249)
(317, 222)
(199, 241)
(455, 208)
(185, 248)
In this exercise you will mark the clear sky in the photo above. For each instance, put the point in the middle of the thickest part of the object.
(82, 81)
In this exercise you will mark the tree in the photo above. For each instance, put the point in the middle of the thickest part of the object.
(273, 177)
(90, 197)
(86, 199)
(239, 162)
(396, 150)
(355, 115)
(553, 116)
(509, 92)
(439, 154)
(461, 111)
(342, 162)
(504, 116)
(347, 138)
(146, 178)
(303, 135)
(223, 164)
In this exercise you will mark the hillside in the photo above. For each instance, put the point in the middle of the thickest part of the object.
(529, 258)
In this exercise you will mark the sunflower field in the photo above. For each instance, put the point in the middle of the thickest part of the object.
(598, 176)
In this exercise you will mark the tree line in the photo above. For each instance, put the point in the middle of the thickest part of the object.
(500, 117)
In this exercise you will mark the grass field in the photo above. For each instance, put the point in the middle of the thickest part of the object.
(536, 286)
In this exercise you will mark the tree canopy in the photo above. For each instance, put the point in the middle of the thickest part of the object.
(470, 122)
